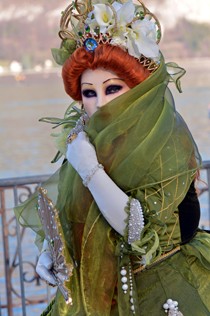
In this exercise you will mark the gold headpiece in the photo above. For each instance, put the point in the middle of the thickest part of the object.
(125, 24)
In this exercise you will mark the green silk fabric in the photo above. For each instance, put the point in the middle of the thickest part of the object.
(148, 151)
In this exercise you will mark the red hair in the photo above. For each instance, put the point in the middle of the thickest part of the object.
(108, 57)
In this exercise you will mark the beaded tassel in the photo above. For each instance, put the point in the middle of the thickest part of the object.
(171, 308)
(127, 282)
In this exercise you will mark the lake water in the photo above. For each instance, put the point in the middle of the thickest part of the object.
(27, 147)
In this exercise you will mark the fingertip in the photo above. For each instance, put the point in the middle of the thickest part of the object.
(45, 259)
(46, 275)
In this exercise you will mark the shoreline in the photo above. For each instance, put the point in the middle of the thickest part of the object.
(192, 62)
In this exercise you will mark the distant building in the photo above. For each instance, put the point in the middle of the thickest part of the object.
(1, 69)
(15, 67)
(48, 64)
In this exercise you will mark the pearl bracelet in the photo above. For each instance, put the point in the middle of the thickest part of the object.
(87, 179)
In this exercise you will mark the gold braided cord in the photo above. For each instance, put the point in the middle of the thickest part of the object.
(160, 259)
(143, 6)
(64, 34)
(76, 10)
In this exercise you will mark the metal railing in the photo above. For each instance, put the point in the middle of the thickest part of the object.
(21, 290)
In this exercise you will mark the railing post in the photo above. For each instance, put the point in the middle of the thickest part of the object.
(20, 257)
(208, 181)
(6, 255)
(0, 307)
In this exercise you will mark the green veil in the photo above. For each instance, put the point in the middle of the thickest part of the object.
(148, 151)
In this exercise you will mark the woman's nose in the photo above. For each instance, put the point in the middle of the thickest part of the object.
(101, 100)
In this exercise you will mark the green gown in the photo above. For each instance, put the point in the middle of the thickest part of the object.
(148, 151)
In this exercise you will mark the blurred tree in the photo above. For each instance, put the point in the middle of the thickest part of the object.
(188, 39)
(29, 41)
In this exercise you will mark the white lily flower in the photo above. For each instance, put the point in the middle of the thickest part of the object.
(146, 26)
(142, 39)
(126, 13)
(103, 15)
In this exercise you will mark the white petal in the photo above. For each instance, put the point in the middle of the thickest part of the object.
(103, 14)
(145, 32)
(119, 41)
(126, 13)
(132, 48)
(103, 29)
(145, 27)
(148, 47)
(117, 6)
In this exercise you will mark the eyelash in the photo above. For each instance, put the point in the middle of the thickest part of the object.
(88, 93)
(113, 89)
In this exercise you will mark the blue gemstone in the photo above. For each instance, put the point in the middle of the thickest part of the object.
(90, 44)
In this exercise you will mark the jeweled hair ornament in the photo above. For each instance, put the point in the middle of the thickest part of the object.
(128, 25)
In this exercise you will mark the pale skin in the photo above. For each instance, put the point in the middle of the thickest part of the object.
(100, 86)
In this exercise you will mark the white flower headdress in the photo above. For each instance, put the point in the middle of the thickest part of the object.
(125, 24)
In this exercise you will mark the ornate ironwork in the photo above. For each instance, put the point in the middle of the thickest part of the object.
(21, 287)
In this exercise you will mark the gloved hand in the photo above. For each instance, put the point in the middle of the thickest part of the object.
(45, 264)
(110, 199)
(81, 155)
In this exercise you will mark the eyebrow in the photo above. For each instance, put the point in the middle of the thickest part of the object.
(112, 79)
(91, 84)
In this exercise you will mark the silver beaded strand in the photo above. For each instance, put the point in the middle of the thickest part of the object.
(127, 282)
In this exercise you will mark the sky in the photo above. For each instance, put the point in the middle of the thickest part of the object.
(196, 10)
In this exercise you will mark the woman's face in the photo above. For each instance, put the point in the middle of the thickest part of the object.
(100, 86)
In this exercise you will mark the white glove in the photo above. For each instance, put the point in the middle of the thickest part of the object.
(45, 264)
(81, 155)
(110, 199)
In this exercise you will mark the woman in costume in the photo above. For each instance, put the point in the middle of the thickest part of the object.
(128, 210)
